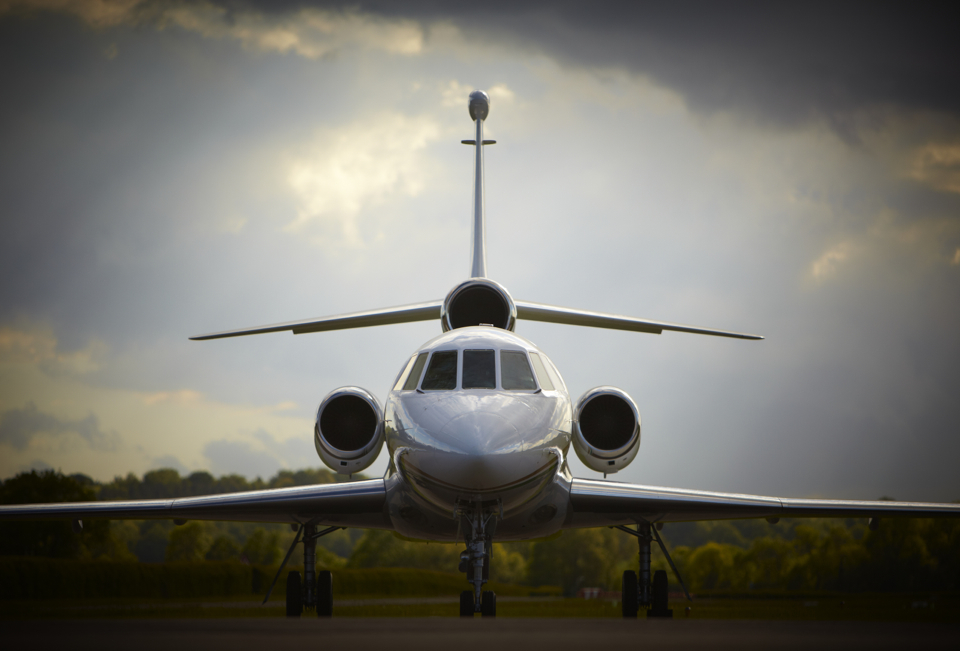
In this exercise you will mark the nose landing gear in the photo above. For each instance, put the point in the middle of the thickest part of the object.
(478, 526)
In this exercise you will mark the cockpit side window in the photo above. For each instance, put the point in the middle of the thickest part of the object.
(414, 369)
(515, 374)
(554, 374)
(545, 383)
(402, 375)
(441, 373)
(479, 369)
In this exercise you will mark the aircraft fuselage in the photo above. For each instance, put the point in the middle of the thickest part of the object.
(484, 419)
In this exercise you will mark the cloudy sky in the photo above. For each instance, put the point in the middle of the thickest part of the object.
(172, 169)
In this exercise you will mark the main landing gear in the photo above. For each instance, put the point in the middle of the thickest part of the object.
(647, 593)
(315, 589)
(478, 527)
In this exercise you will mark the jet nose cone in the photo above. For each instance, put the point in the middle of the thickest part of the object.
(479, 105)
(481, 433)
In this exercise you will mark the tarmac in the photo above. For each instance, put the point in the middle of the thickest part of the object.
(425, 634)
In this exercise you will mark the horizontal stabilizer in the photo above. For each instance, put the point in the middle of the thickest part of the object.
(569, 316)
(383, 316)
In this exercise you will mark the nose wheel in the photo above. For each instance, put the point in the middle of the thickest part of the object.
(478, 527)
(488, 604)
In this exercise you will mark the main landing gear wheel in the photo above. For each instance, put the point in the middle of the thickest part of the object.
(660, 596)
(488, 604)
(294, 594)
(629, 599)
(324, 594)
(466, 603)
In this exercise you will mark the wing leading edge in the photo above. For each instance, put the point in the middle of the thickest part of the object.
(571, 316)
(596, 503)
(383, 316)
(351, 504)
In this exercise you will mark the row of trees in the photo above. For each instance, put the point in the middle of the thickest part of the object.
(827, 554)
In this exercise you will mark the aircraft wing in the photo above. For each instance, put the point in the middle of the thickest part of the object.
(595, 503)
(383, 316)
(570, 316)
(350, 504)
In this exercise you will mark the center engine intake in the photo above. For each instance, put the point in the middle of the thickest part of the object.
(348, 433)
(478, 301)
(606, 433)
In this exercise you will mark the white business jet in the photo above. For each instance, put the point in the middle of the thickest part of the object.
(478, 426)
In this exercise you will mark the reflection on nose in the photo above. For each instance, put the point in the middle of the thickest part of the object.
(480, 432)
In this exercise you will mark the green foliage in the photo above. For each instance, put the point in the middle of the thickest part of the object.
(903, 554)
(262, 548)
(579, 558)
(795, 554)
(223, 549)
(188, 543)
(148, 541)
(379, 548)
(152, 545)
(54, 539)
(167, 483)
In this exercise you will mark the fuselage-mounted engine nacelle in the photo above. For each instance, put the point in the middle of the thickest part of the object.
(478, 301)
(349, 430)
(606, 431)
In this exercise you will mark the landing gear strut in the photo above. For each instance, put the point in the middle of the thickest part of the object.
(647, 593)
(314, 589)
(478, 526)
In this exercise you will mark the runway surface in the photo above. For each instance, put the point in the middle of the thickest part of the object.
(425, 634)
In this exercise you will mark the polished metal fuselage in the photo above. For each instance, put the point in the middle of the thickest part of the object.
(503, 451)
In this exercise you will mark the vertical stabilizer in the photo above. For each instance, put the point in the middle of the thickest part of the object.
(479, 108)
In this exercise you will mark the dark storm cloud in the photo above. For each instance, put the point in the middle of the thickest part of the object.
(777, 62)
(19, 426)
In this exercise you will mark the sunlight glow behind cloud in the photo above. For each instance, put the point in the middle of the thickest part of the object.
(348, 168)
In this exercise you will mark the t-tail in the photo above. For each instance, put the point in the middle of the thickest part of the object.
(478, 300)
(479, 107)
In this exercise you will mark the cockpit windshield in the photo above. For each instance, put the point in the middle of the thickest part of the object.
(441, 373)
(515, 373)
(479, 369)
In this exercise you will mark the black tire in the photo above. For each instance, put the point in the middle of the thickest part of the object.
(629, 596)
(324, 594)
(660, 591)
(488, 604)
(294, 594)
(466, 603)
